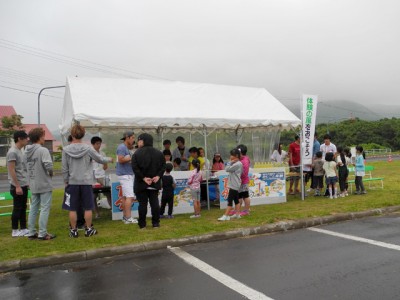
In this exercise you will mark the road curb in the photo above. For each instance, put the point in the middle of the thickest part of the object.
(23, 264)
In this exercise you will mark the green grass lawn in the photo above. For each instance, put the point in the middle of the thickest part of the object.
(114, 233)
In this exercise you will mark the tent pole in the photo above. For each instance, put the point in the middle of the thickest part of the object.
(301, 149)
(207, 171)
(162, 139)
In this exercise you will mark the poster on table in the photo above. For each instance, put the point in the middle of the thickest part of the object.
(308, 129)
(182, 197)
(265, 186)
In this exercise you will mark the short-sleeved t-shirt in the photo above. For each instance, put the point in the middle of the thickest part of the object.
(327, 148)
(294, 148)
(15, 154)
(126, 168)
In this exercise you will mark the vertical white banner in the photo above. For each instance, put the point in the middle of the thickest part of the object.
(308, 129)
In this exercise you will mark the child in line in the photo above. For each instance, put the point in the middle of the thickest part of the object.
(177, 164)
(168, 155)
(341, 162)
(347, 153)
(218, 163)
(244, 196)
(168, 187)
(331, 174)
(359, 171)
(194, 182)
(318, 175)
(234, 168)
(195, 154)
(307, 173)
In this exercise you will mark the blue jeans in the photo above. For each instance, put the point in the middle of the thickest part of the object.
(43, 201)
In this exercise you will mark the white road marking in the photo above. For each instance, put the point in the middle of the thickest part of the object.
(356, 238)
(226, 280)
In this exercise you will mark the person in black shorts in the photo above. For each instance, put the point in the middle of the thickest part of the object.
(77, 171)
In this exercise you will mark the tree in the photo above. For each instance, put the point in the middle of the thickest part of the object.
(11, 124)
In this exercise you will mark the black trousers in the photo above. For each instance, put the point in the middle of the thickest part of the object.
(18, 216)
(167, 200)
(145, 197)
(343, 174)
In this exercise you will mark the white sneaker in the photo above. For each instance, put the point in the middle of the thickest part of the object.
(330, 197)
(195, 216)
(335, 197)
(224, 218)
(24, 232)
(129, 221)
(15, 233)
(235, 216)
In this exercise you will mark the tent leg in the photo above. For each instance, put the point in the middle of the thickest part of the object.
(207, 171)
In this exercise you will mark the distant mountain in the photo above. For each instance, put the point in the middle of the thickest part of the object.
(336, 111)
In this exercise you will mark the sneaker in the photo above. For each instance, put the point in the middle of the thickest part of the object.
(170, 217)
(224, 218)
(308, 190)
(346, 194)
(335, 196)
(157, 225)
(24, 232)
(33, 236)
(47, 237)
(357, 193)
(162, 217)
(90, 231)
(195, 216)
(330, 197)
(235, 217)
(232, 212)
(73, 233)
(129, 221)
(291, 192)
(363, 192)
(244, 213)
(15, 233)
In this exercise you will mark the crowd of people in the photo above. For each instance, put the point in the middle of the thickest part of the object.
(143, 171)
(329, 162)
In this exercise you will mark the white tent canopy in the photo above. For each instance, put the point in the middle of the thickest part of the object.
(120, 103)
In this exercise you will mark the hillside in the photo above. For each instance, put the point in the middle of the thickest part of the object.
(336, 111)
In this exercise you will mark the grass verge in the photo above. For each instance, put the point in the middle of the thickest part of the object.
(115, 233)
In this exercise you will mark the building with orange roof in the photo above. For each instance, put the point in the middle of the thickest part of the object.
(6, 142)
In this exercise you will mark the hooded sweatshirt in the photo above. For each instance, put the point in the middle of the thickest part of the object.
(147, 162)
(235, 172)
(77, 166)
(40, 168)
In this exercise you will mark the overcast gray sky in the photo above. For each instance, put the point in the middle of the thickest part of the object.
(338, 49)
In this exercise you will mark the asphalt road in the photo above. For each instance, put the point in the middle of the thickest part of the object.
(301, 264)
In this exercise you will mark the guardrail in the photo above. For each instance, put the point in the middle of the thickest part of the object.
(378, 151)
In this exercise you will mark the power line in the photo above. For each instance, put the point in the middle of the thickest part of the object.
(28, 74)
(83, 60)
(33, 87)
(43, 54)
(31, 92)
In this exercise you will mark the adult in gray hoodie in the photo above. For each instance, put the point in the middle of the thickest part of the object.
(40, 172)
(77, 171)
